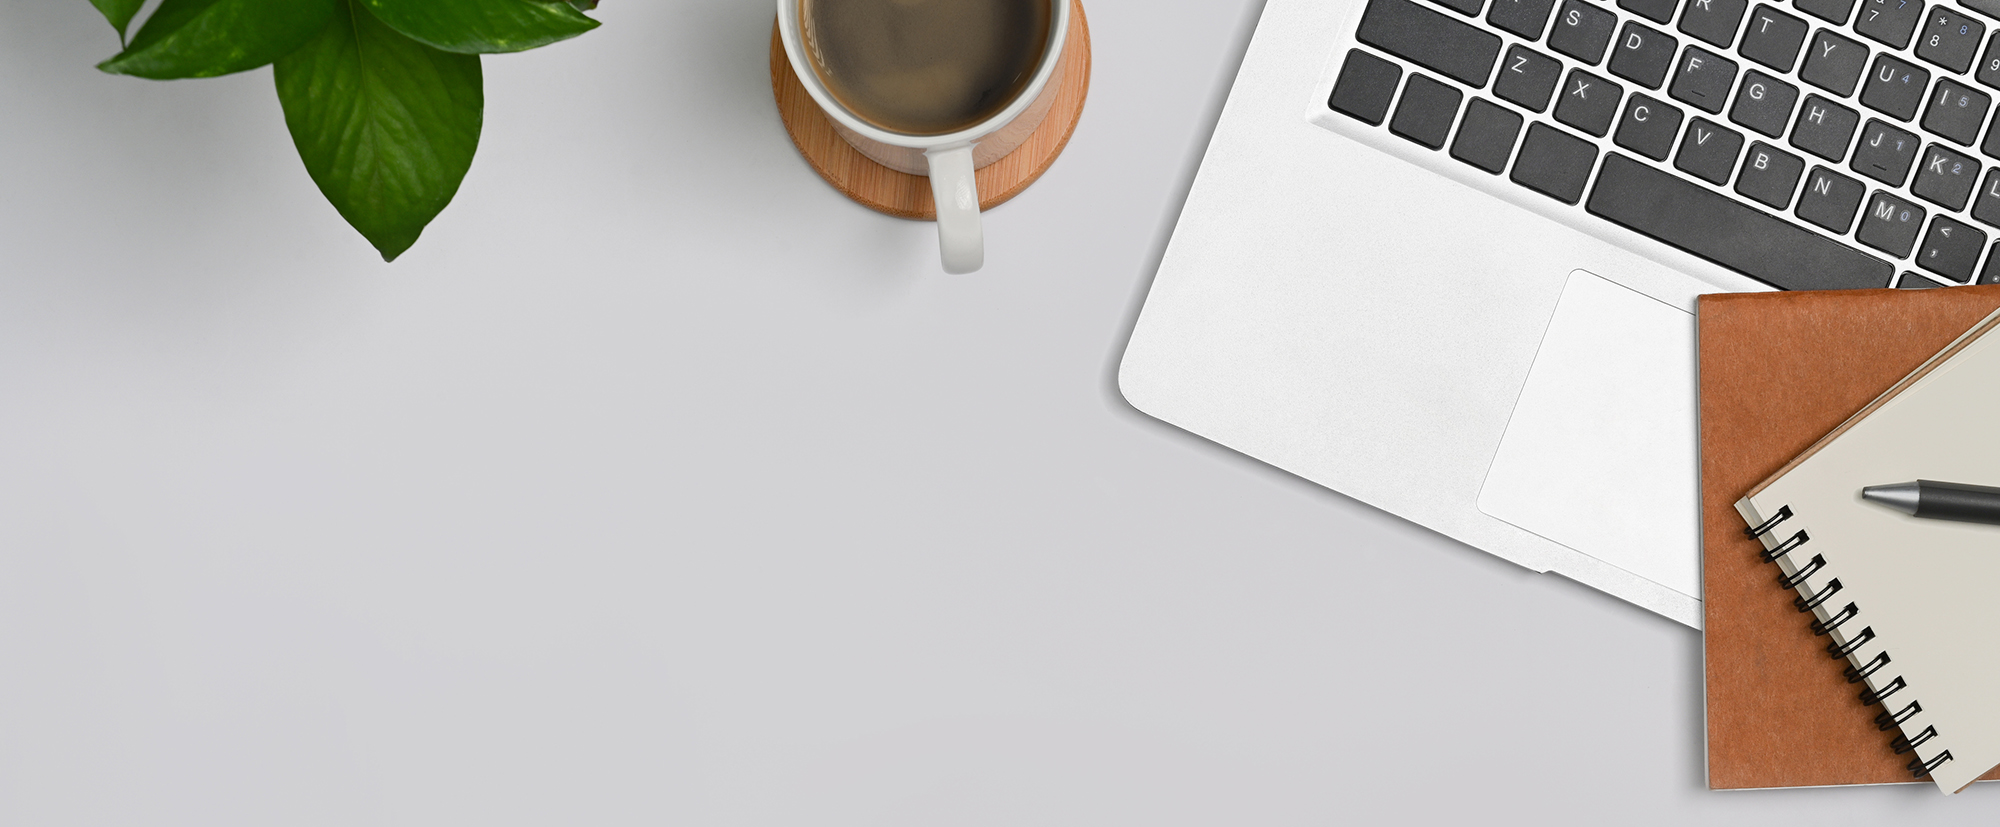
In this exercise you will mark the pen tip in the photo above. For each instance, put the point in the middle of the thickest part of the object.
(1900, 496)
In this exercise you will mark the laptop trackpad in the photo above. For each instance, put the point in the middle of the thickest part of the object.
(1600, 454)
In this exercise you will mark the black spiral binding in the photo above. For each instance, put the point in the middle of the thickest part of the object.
(1888, 720)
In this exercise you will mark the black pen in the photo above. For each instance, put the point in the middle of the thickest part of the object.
(1939, 500)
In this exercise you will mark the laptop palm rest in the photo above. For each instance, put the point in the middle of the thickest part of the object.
(1600, 452)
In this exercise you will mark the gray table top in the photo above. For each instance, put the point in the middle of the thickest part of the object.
(660, 485)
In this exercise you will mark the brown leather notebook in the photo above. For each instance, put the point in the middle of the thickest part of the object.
(1777, 372)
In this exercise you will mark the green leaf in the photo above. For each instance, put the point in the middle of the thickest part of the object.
(205, 38)
(482, 26)
(386, 126)
(119, 13)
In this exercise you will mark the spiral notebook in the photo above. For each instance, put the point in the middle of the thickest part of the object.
(1778, 372)
(1910, 603)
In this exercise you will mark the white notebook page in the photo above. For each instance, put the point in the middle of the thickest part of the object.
(1929, 589)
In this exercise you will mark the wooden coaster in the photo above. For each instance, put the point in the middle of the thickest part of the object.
(909, 196)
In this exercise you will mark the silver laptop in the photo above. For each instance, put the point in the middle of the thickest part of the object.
(1442, 255)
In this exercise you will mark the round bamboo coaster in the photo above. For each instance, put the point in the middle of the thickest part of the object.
(909, 196)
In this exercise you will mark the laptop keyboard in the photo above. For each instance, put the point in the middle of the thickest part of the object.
(1813, 144)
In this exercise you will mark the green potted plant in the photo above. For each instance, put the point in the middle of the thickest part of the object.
(383, 98)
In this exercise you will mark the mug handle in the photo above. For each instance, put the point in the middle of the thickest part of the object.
(961, 242)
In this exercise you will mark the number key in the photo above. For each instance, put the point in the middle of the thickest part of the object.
(1831, 11)
(1945, 178)
(1989, 63)
(1895, 87)
(1951, 39)
(1890, 21)
(1890, 224)
(1956, 111)
(1885, 153)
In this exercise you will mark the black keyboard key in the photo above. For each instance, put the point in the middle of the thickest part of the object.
(1831, 11)
(1773, 38)
(1430, 39)
(1912, 281)
(1895, 87)
(1486, 135)
(1582, 31)
(1715, 227)
(1991, 146)
(1764, 103)
(1824, 128)
(1989, 63)
(1951, 249)
(1769, 176)
(1834, 63)
(1524, 18)
(1708, 151)
(1990, 8)
(1945, 178)
(1588, 102)
(1469, 8)
(1890, 224)
(1885, 153)
(1830, 200)
(1986, 207)
(1365, 86)
(1648, 127)
(1714, 21)
(1990, 274)
(1643, 55)
(1658, 11)
(1425, 113)
(1890, 21)
(1950, 39)
(1528, 78)
(1554, 163)
(1702, 79)
(1956, 111)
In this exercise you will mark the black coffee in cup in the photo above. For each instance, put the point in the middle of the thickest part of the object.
(926, 67)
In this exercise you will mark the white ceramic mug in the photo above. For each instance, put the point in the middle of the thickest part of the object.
(950, 159)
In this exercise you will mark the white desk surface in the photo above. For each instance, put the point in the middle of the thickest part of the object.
(660, 485)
